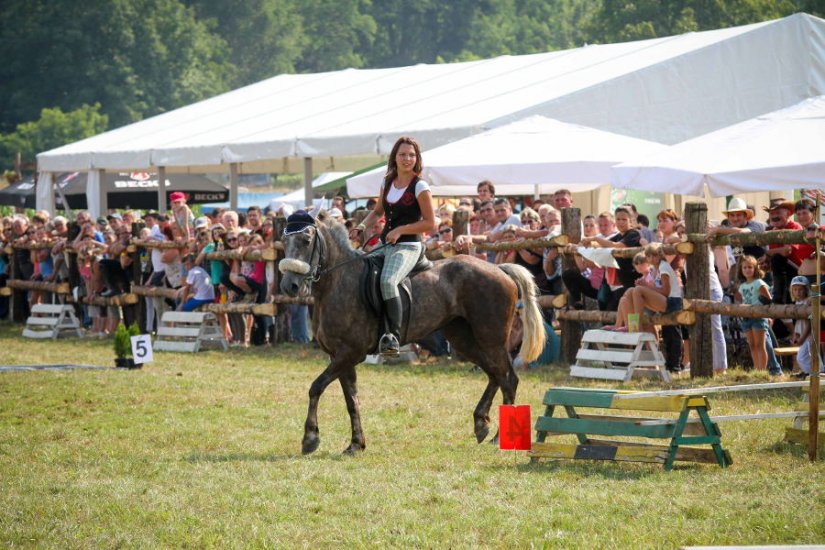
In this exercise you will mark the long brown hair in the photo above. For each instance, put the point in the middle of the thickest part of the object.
(757, 271)
(392, 165)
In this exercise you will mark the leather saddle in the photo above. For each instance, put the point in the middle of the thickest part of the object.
(371, 289)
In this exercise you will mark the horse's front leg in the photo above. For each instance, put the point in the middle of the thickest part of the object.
(350, 388)
(311, 434)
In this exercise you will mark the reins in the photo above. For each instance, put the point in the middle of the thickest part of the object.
(336, 266)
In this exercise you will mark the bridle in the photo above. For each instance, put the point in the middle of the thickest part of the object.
(315, 271)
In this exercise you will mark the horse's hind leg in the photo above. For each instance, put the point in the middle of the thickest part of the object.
(349, 386)
(311, 433)
(494, 361)
(509, 385)
(481, 414)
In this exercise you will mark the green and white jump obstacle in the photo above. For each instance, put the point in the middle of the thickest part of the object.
(681, 434)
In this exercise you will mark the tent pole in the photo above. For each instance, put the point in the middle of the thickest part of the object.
(67, 209)
(162, 206)
(95, 193)
(233, 186)
(308, 181)
(44, 191)
(813, 396)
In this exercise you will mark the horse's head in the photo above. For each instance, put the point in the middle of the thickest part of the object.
(302, 254)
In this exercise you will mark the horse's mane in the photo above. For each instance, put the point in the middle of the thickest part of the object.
(338, 233)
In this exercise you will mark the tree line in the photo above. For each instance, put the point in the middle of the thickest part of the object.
(73, 69)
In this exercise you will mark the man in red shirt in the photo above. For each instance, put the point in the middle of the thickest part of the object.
(782, 257)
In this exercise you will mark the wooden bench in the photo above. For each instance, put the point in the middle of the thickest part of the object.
(50, 321)
(787, 356)
(186, 331)
(679, 431)
(612, 355)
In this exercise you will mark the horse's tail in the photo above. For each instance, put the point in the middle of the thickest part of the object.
(535, 336)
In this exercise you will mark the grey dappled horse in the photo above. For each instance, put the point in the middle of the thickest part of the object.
(473, 302)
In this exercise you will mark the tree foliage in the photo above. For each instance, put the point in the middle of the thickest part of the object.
(264, 37)
(53, 129)
(136, 58)
(641, 19)
(133, 59)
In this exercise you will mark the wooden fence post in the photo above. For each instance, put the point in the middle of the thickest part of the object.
(134, 312)
(461, 223)
(571, 331)
(280, 323)
(698, 286)
(19, 297)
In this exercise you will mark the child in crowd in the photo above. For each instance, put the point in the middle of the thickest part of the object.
(197, 290)
(184, 218)
(754, 291)
(373, 239)
(664, 293)
(658, 290)
(589, 226)
(642, 267)
(248, 276)
(800, 290)
(507, 256)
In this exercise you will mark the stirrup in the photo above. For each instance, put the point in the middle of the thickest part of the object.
(388, 346)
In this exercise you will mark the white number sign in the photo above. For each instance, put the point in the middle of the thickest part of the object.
(142, 349)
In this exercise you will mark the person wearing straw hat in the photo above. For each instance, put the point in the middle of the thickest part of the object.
(738, 219)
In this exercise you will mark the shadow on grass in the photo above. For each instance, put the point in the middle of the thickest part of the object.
(604, 469)
(238, 457)
(215, 458)
(790, 449)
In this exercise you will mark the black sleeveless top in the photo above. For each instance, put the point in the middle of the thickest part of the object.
(403, 212)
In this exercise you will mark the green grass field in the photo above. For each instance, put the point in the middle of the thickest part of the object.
(204, 451)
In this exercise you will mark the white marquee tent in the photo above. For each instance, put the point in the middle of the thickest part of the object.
(665, 90)
(782, 150)
(532, 155)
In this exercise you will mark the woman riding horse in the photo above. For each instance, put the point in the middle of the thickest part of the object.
(406, 203)
(472, 302)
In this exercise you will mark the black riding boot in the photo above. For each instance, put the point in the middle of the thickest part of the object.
(390, 343)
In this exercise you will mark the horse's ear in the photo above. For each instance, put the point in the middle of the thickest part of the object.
(316, 209)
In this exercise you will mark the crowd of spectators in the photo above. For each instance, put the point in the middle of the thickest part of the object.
(650, 282)
(107, 269)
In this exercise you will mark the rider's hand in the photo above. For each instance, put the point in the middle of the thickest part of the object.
(393, 236)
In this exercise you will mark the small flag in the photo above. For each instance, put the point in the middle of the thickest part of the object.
(514, 427)
(812, 194)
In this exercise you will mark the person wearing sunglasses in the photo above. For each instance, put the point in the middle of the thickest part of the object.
(783, 257)
(443, 238)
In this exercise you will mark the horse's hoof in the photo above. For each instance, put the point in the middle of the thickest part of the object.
(494, 441)
(482, 432)
(354, 449)
(310, 444)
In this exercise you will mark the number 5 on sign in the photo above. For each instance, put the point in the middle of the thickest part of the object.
(142, 349)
